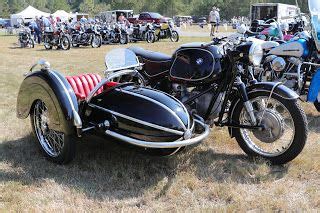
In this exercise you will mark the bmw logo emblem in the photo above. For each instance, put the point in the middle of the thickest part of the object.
(199, 61)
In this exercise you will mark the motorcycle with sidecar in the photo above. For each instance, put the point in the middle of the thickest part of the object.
(64, 108)
(266, 119)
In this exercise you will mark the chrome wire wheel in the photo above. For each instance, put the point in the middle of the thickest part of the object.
(51, 141)
(279, 132)
(65, 43)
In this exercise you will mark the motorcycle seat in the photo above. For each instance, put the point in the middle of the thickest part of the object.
(150, 55)
(82, 85)
(155, 63)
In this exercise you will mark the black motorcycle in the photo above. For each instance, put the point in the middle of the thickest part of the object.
(265, 118)
(141, 32)
(25, 38)
(86, 37)
(57, 38)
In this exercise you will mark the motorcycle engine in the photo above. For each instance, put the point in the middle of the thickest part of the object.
(200, 105)
(282, 69)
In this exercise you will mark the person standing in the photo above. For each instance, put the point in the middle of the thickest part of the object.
(213, 20)
(217, 14)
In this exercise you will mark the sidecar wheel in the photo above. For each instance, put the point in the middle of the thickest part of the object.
(55, 145)
(285, 131)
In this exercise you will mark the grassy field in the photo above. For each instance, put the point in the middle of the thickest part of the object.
(105, 176)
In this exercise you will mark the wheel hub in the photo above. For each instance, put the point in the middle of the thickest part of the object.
(274, 126)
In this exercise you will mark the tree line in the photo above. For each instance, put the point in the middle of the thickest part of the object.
(228, 8)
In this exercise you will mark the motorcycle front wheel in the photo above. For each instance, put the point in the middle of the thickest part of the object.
(285, 128)
(96, 41)
(150, 37)
(65, 42)
(123, 39)
(46, 43)
(174, 36)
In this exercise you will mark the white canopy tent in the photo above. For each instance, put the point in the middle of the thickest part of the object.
(63, 15)
(27, 15)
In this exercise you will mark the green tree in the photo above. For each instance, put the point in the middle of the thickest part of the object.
(4, 8)
(87, 6)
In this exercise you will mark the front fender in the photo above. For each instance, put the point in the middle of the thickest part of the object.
(278, 90)
(52, 88)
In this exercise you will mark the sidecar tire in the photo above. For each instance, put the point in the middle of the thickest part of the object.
(300, 130)
(69, 142)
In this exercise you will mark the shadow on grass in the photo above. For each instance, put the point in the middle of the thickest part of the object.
(314, 122)
(104, 169)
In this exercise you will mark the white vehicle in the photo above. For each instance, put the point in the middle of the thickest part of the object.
(282, 13)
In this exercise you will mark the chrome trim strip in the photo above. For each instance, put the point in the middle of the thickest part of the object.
(192, 80)
(175, 144)
(76, 118)
(160, 104)
(107, 79)
(139, 121)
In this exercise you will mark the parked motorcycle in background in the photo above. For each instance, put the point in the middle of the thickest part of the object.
(166, 30)
(86, 35)
(25, 38)
(142, 32)
(57, 38)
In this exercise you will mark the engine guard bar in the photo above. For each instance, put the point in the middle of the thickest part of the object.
(175, 144)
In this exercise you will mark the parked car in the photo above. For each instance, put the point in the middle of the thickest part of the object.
(149, 17)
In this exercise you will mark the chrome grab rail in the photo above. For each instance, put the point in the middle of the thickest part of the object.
(174, 144)
(107, 79)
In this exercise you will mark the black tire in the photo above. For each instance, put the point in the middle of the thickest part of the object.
(123, 39)
(31, 43)
(46, 43)
(174, 36)
(96, 41)
(150, 37)
(68, 149)
(65, 42)
(300, 129)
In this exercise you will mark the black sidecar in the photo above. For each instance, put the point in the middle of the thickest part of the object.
(64, 108)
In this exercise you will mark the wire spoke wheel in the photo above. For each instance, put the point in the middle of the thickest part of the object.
(279, 131)
(51, 141)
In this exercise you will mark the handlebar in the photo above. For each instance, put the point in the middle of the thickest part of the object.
(215, 41)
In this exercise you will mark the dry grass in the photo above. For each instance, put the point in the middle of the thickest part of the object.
(215, 176)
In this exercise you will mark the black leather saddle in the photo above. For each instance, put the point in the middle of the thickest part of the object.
(155, 63)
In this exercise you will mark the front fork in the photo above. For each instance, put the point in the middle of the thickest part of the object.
(241, 87)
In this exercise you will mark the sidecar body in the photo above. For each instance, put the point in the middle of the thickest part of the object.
(64, 108)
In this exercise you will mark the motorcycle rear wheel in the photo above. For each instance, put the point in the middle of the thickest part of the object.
(286, 128)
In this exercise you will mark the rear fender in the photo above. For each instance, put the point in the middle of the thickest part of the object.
(277, 89)
(52, 88)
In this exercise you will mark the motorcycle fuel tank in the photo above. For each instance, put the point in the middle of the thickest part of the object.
(298, 48)
(193, 63)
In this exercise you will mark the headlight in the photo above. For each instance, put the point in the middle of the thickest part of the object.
(256, 54)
